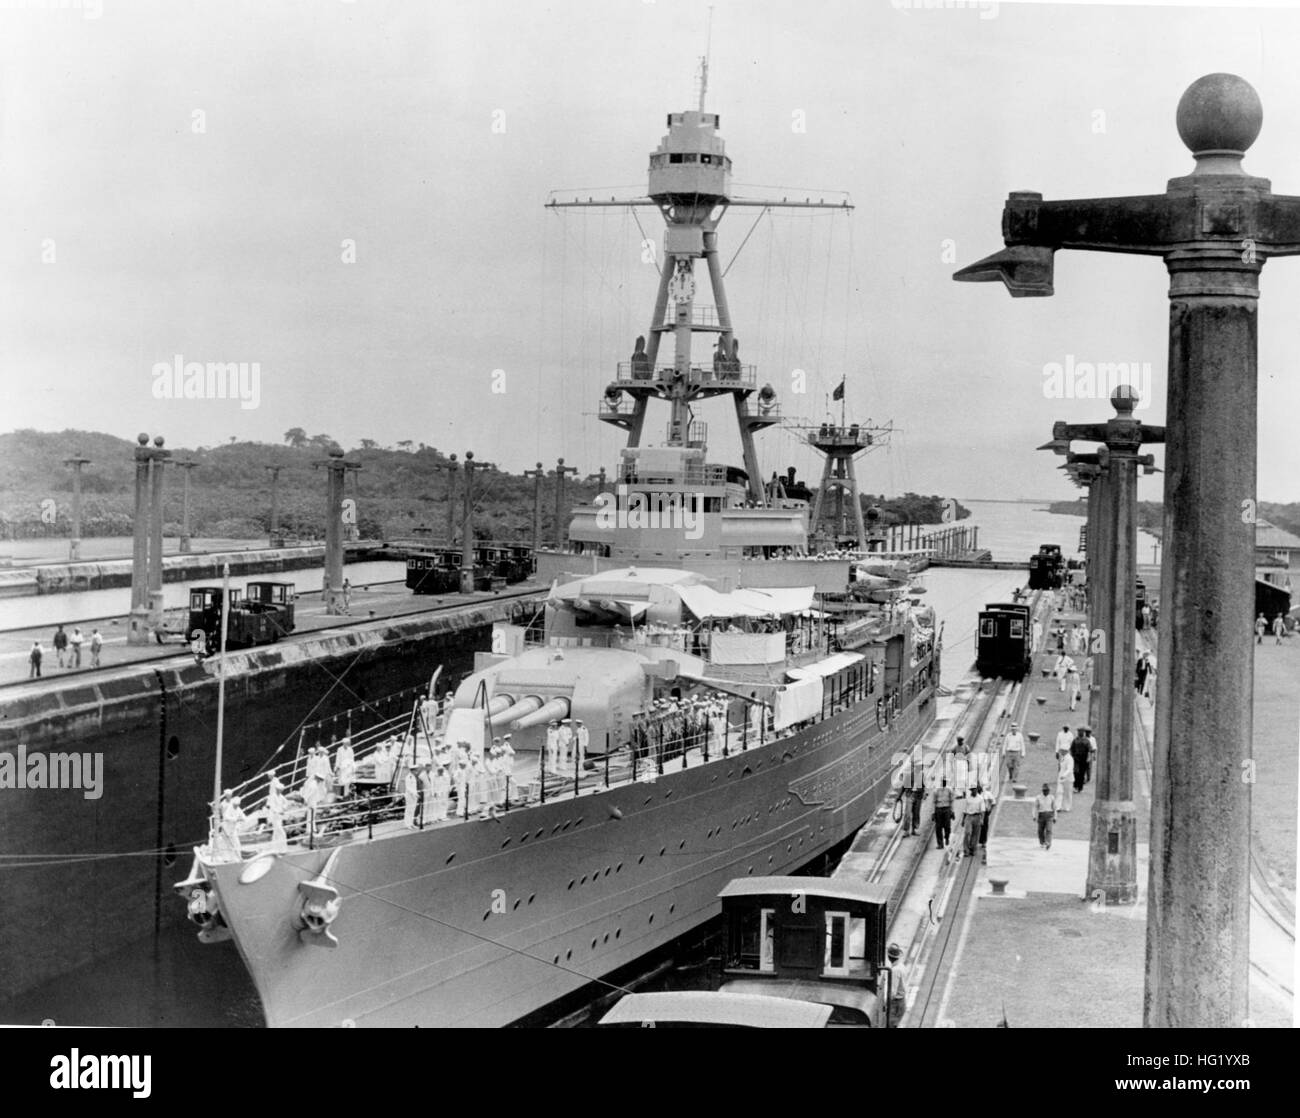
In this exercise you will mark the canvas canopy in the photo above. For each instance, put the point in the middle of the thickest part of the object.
(822, 668)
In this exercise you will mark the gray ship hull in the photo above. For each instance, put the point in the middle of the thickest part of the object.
(483, 922)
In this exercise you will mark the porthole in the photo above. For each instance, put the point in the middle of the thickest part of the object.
(578, 821)
(532, 897)
(681, 845)
(506, 842)
(584, 880)
(555, 961)
(607, 869)
(555, 829)
(618, 868)
(173, 747)
(487, 915)
(593, 944)
(618, 933)
(539, 832)
(662, 851)
(450, 857)
(568, 955)
(671, 909)
(652, 918)
(640, 858)
(572, 883)
(606, 939)
(518, 901)
(523, 837)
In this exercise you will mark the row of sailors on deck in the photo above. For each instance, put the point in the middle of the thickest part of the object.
(567, 741)
(479, 783)
(672, 726)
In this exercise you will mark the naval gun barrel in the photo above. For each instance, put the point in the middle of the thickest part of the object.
(512, 710)
(555, 709)
(498, 703)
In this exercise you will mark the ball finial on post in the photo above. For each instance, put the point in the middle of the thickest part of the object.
(1124, 399)
(1219, 114)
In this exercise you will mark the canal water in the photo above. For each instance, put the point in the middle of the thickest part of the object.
(87, 605)
(177, 982)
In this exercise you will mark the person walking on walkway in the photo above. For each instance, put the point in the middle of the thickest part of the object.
(96, 647)
(1279, 628)
(942, 814)
(972, 818)
(1045, 806)
(35, 657)
(1143, 667)
(1013, 747)
(1065, 780)
(60, 643)
(1260, 626)
(1063, 740)
(897, 986)
(1081, 751)
(911, 792)
(1072, 684)
(990, 802)
(74, 644)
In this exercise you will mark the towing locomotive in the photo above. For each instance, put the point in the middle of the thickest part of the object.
(1004, 647)
(1047, 568)
(262, 615)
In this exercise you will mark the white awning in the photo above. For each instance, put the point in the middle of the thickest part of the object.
(823, 668)
(706, 603)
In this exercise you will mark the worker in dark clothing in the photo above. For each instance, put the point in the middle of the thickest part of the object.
(1081, 751)
(942, 814)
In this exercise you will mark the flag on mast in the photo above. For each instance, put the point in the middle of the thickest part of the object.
(838, 394)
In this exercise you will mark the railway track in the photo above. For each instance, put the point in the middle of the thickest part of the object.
(952, 893)
(89, 674)
(951, 896)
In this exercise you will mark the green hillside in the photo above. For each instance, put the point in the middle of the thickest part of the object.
(396, 490)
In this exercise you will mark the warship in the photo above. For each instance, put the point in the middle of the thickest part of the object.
(701, 698)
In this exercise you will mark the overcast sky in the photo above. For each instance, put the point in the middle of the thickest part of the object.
(180, 178)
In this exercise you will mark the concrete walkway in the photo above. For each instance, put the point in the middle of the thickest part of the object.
(1044, 954)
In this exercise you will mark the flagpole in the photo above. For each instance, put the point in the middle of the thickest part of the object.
(843, 400)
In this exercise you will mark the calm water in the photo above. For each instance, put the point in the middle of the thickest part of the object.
(46, 609)
(178, 982)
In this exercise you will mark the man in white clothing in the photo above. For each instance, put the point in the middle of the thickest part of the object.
(1013, 748)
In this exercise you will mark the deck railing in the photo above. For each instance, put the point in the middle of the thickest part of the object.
(661, 743)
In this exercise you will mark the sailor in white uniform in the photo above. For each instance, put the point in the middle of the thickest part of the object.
(230, 816)
(441, 788)
(553, 747)
(345, 767)
(425, 777)
(277, 804)
(411, 799)
(477, 785)
(566, 744)
(507, 767)
(582, 739)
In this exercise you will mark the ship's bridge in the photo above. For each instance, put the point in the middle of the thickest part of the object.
(691, 160)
